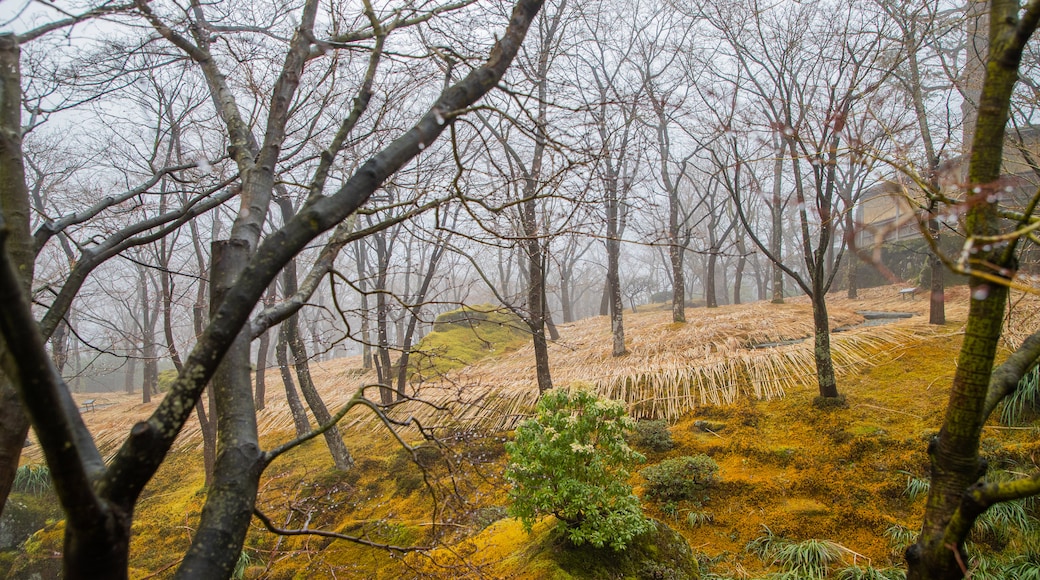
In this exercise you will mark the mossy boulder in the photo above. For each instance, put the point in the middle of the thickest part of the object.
(661, 554)
(464, 336)
(24, 514)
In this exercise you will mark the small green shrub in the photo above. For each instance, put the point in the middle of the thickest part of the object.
(652, 435)
(680, 478)
(570, 461)
(244, 562)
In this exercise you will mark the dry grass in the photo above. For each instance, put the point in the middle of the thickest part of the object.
(670, 370)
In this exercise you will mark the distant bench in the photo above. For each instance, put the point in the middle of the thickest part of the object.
(89, 405)
(908, 293)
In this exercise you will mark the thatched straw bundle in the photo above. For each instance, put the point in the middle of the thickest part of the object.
(670, 368)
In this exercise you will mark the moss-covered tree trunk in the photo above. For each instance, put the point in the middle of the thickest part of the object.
(957, 495)
(14, 209)
(822, 347)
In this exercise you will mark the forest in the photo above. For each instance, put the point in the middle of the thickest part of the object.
(219, 213)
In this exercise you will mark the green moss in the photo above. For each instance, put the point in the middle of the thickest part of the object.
(464, 336)
(661, 553)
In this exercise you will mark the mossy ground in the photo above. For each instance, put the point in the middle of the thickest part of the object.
(838, 474)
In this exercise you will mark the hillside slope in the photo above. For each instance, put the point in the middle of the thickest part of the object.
(842, 474)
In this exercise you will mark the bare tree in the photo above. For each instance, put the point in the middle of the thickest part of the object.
(99, 497)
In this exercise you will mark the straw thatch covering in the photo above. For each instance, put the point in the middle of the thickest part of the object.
(670, 368)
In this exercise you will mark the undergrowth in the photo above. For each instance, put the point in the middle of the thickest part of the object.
(34, 479)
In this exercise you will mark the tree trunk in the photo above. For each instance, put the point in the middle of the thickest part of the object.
(263, 355)
(936, 281)
(950, 511)
(208, 428)
(299, 414)
(14, 427)
(215, 549)
(613, 242)
(738, 278)
(675, 254)
(263, 352)
(366, 343)
(340, 455)
(130, 374)
(822, 347)
(60, 345)
(711, 299)
(776, 238)
(565, 295)
(535, 291)
(14, 207)
(850, 277)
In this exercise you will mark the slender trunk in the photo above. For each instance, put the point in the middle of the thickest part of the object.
(366, 343)
(738, 277)
(951, 510)
(550, 325)
(613, 243)
(936, 282)
(130, 376)
(384, 369)
(565, 296)
(229, 503)
(675, 254)
(207, 426)
(150, 378)
(299, 414)
(710, 297)
(147, 354)
(60, 346)
(291, 327)
(822, 346)
(384, 372)
(536, 293)
(776, 238)
(850, 277)
(263, 353)
(340, 455)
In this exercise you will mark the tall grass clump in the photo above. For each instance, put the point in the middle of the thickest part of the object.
(900, 537)
(807, 560)
(1022, 403)
(34, 479)
(916, 487)
(870, 573)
